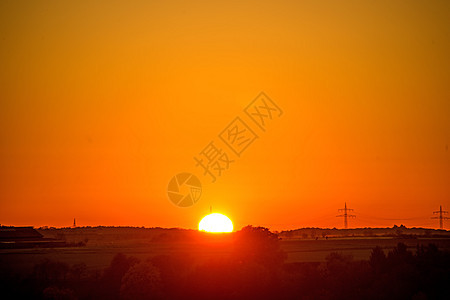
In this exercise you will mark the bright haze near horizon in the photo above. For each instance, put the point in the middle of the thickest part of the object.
(102, 103)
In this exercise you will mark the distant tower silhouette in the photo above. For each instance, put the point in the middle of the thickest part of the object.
(441, 216)
(346, 215)
(74, 223)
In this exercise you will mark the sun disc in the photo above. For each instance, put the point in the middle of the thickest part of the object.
(215, 223)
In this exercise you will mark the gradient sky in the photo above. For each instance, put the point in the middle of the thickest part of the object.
(102, 102)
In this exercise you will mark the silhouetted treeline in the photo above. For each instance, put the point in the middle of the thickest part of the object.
(255, 269)
(395, 231)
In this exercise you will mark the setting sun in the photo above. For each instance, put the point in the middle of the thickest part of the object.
(215, 223)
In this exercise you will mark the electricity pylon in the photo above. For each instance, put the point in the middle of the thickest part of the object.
(346, 215)
(441, 216)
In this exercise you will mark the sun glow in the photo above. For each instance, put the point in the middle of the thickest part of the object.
(215, 223)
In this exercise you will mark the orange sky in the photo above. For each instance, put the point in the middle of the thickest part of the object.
(102, 102)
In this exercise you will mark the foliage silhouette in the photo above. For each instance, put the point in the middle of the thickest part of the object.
(255, 268)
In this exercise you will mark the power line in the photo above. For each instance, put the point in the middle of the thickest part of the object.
(441, 216)
(346, 215)
(364, 216)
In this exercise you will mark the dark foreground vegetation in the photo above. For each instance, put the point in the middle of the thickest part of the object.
(254, 269)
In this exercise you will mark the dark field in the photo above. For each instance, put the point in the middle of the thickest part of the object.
(139, 263)
(102, 243)
(99, 255)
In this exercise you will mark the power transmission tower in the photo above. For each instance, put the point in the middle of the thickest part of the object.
(346, 215)
(441, 216)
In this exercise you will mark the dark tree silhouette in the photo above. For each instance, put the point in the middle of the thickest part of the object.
(112, 277)
(56, 293)
(142, 281)
(50, 271)
(378, 260)
(258, 245)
